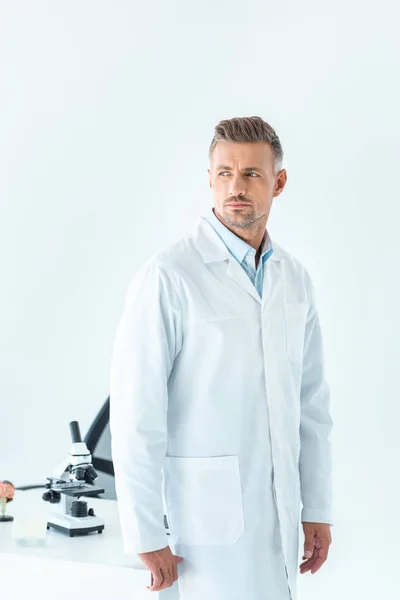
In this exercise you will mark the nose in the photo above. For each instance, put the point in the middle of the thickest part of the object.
(237, 187)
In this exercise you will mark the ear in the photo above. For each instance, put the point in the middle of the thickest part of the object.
(281, 182)
(209, 178)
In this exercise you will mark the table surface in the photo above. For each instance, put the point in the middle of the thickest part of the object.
(104, 549)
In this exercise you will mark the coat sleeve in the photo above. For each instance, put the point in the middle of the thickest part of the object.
(315, 462)
(147, 341)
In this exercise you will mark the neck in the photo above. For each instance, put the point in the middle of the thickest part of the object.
(253, 235)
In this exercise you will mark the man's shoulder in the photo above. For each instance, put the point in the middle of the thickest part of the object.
(293, 268)
(290, 259)
(178, 257)
(175, 255)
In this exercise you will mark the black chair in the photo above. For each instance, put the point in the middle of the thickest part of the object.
(98, 441)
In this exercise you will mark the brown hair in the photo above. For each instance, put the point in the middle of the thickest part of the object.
(248, 129)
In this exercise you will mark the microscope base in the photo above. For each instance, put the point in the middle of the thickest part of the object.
(74, 526)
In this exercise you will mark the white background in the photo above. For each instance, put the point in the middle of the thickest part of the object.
(107, 110)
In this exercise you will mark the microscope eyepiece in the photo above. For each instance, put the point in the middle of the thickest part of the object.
(75, 432)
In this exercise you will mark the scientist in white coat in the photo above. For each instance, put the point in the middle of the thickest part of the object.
(219, 408)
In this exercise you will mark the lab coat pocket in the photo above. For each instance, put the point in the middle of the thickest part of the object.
(204, 499)
(296, 317)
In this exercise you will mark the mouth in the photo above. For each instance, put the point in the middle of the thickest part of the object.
(238, 204)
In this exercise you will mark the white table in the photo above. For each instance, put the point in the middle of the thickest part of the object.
(93, 565)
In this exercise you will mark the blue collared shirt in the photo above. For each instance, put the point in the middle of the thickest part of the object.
(244, 254)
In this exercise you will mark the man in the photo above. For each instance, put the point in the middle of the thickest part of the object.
(219, 410)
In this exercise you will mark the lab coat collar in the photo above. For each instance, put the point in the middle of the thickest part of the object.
(213, 249)
(236, 246)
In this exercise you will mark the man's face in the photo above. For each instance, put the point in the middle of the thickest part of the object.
(244, 172)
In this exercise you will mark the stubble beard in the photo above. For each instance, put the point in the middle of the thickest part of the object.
(240, 218)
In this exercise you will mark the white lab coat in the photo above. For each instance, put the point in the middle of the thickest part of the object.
(220, 418)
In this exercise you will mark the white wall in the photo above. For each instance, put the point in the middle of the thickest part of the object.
(107, 110)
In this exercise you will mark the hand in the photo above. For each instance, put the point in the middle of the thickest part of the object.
(162, 564)
(316, 545)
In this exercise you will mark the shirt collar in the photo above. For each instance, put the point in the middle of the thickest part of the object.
(238, 247)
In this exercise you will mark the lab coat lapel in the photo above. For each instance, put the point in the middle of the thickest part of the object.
(213, 249)
(239, 275)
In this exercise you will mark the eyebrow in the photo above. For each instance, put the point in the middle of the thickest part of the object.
(226, 168)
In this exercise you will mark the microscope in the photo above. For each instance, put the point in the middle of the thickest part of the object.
(74, 477)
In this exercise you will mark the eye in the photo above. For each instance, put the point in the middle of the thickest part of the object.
(250, 173)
